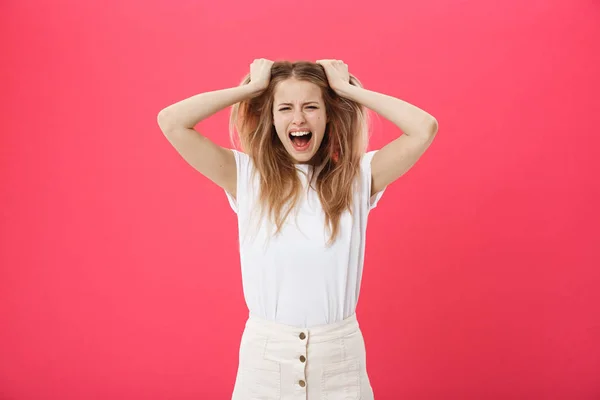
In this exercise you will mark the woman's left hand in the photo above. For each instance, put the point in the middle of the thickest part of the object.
(337, 73)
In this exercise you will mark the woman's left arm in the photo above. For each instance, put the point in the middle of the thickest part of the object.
(397, 157)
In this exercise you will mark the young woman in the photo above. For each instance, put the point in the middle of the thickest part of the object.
(302, 189)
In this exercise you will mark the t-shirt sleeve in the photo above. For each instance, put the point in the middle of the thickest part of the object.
(242, 162)
(367, 180)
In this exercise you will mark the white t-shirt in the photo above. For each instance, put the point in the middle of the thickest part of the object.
(294, 278)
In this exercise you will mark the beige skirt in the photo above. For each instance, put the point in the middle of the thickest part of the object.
(278, 361)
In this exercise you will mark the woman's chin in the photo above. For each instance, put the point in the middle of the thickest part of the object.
(301, 156)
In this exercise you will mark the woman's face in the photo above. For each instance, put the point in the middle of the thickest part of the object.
(299, 117)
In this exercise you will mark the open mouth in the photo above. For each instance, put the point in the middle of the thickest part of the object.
(300, 140)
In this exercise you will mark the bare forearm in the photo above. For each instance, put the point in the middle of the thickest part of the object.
(410, 119)
(188, 112)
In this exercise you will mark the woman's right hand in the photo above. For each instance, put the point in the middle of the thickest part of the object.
(260, 73)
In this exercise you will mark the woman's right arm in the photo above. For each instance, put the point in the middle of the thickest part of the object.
(177, 123)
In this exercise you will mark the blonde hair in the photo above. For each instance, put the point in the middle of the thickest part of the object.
(338, 158)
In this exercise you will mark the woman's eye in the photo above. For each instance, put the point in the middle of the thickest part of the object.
(287, 108)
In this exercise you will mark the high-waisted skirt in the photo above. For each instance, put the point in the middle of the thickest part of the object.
(283, 362)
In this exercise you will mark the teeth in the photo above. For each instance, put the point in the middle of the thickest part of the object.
(299, 133)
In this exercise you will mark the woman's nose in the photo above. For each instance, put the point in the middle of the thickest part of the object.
(298, 117)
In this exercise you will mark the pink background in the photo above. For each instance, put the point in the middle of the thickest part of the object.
(119, 274)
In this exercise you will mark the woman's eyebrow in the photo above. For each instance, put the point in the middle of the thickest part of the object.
(289, 104)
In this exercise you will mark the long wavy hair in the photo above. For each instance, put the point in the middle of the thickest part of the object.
(337, 160)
